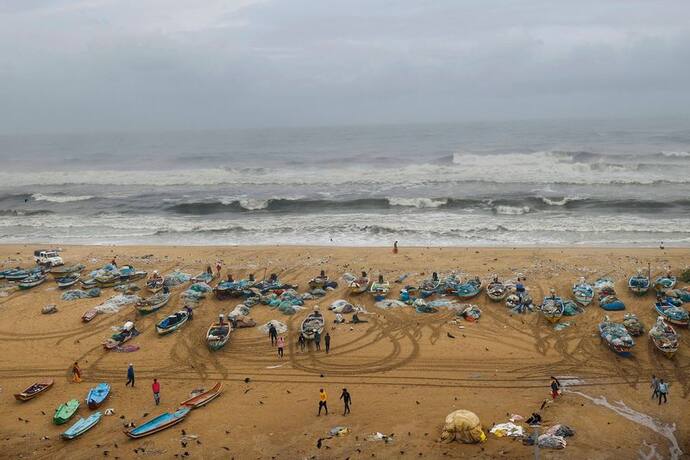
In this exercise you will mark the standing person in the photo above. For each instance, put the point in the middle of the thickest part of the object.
(555, 387)
(130, 375)
(395, 247)
(281, 345)
(663, 390)
(76, 373)
(327, 341)
(190, 312)
(156, 387)
(114, 262)
(302, 341)
(347, 400)
(323, 401)
(273, 334)
(654, 385)
(317, 340)
(218, 268)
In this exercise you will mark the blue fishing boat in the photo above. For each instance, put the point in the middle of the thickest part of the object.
(97, 395)
(673, 314)
(172, 322)
(663, 283)
(469, 288)
(583, 293)
(82, 426)
(616, 337)
(639, 284)
(159, 423)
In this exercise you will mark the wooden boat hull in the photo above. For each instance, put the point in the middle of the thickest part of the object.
(81, 426)
(307, 327)
(33, 283)
(219, 341)
(89, 315)
(65, 412)
(158, 424)
(203, 398)
(145, 307)
(97, 395)
(164, 329)
(29, 392)
(359, 286)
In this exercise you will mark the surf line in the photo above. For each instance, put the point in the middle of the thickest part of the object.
(664, 429)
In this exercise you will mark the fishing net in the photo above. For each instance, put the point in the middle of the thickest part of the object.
(633, 324)
(74, 295)
(114, 304)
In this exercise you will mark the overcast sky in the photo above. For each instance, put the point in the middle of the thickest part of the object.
(80, 65)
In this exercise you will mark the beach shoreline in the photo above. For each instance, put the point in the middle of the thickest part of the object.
(404, 370)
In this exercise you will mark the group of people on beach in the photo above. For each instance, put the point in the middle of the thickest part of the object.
(345, 397)
(279, 341)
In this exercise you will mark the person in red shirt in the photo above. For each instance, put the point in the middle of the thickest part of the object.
(156, 387)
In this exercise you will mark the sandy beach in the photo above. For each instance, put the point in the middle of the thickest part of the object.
(405, 370)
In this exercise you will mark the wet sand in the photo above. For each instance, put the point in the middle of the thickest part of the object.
(404, 371)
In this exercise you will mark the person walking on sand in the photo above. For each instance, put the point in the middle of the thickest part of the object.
(281, 345)
(663, 391)
(218, 268)
(395, 247)
(654, 385)
(130, 375)
(347, 400)
(156, 387)
(76, 373)
(323, 401)
(317, 340)
(302, 341)
(273, 334)
(327, 341)
(555, 387)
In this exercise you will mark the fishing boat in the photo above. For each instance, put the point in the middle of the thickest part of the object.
(429, 286)
(97, 395)
(34, 390)
(469, 288)
(218, 335)
(203, 277)
(81, 426)
(89, 315)
(88, 283)
(65, 411)
(64, 270)
(663, 283)
(379, 289)
(319, 282)
(19, 274)
(496, 290)
(519, 304)
(153, 303)
(359, 285)
(32, 281)
(172, 322)
(128, 274)
(231, 289)
(204, 398)
(681, 294)
(66, 281)
(638, 284)
(608, 300)
(616, 337)
(312, 324)
(673, 314)
(583, 292)
(552, 307)
(664, 337)
(633, 324)
(159, 423)
(155, 283)
(127, 332)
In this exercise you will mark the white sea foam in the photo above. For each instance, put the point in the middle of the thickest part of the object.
(417, 202)
(512, 210)
(60, 198)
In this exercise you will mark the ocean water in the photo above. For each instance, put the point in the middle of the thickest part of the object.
(497, 184)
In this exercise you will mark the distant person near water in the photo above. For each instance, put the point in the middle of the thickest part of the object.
(395, 247)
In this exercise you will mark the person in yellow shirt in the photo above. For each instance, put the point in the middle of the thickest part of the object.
(323, 398)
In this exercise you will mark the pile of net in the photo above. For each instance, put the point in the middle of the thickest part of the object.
(389, 303)
(74, 295)
(108, 270)
(471, 313)
(463, 426)
(281, 328)
(127, 288)
(115, 303)
(196, 292)
(633, 324)
(342, 306)
(288, 302)
(664, 336)
(616, 334)
(571, 308)
(176, 278)
(421, 306)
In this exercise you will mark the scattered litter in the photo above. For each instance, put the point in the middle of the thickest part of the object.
(561, 326)
(507, 429)
(49, 309)
(380, 437)
(390, 303)
(276, 366)
(549, 441)
(341, 306)
(516, 418)
(341, 431)
(471, 313)
(126, 348)
(563, 431)
(109, 411)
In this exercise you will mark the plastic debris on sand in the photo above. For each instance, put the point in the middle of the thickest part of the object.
(390, 303)
(507, 429)
(338, 431)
